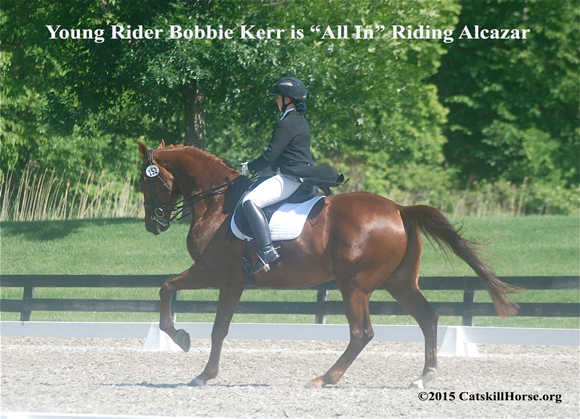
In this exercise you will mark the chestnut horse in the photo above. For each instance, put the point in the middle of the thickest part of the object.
(361, 239)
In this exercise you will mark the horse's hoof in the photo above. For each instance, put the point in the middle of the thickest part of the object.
(418, 383)
(196, 382)
(314, 384)
(183, 340)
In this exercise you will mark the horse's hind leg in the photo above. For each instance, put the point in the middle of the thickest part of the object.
(414, 303)
(403, 285)
(356, 307)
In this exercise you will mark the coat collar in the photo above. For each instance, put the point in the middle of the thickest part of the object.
(287, 112)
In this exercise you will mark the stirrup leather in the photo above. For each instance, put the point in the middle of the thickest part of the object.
(264, 259)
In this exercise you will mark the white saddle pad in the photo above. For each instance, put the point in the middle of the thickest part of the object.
(286, 223)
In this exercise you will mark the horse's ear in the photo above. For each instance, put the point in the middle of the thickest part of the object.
(144, 151)
(162, 145)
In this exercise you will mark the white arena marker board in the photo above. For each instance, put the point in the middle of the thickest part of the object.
(456, 340)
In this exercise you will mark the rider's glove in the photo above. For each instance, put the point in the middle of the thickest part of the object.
(245, 170)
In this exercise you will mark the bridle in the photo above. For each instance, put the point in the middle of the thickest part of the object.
(152, 172)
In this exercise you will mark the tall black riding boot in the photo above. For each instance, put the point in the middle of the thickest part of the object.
(266, 252)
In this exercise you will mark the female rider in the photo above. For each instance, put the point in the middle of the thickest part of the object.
(288, 152)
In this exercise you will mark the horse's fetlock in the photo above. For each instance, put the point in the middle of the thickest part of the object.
(430, 373)
(166, 326)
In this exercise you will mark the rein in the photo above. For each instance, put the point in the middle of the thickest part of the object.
(152, 172)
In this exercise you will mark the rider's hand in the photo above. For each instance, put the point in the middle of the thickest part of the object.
(245, 170)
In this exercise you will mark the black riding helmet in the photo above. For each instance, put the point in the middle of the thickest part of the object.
(290, 87)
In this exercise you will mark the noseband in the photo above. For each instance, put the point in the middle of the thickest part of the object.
(152, 172)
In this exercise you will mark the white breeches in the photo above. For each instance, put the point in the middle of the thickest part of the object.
(271, 191)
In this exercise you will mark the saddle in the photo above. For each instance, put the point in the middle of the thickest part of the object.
(302, 194)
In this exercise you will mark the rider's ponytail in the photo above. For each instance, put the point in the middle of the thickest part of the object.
(300, 106)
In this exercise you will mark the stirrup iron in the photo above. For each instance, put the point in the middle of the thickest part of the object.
(264, 258)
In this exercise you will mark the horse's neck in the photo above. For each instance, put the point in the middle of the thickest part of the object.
(196, 171)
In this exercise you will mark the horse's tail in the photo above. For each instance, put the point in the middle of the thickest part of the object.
(434, 225)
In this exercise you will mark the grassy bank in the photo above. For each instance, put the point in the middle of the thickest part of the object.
(519, 246)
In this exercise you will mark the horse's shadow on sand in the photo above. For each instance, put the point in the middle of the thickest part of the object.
(165, 385)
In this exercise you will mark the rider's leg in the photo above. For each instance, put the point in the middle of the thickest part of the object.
(269, 192)
(266, 251)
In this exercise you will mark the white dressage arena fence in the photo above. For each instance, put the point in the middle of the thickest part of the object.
(455, 340)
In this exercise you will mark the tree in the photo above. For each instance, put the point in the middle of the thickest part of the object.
(514, 104)
(370, 107)
(115, 90)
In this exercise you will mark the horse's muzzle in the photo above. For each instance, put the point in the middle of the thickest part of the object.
(156, 228)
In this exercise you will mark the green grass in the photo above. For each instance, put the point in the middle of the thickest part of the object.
(533, 245)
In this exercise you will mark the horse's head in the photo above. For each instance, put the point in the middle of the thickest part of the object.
(159, 191)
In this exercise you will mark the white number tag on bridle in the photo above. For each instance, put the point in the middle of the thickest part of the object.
(152, 171)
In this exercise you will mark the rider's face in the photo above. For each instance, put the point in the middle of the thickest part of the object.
(280, 101)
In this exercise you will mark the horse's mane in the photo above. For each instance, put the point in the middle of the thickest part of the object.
(204, 153)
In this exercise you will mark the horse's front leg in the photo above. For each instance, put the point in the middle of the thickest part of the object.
(194, 278)
(356, 307)
(227, 303)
